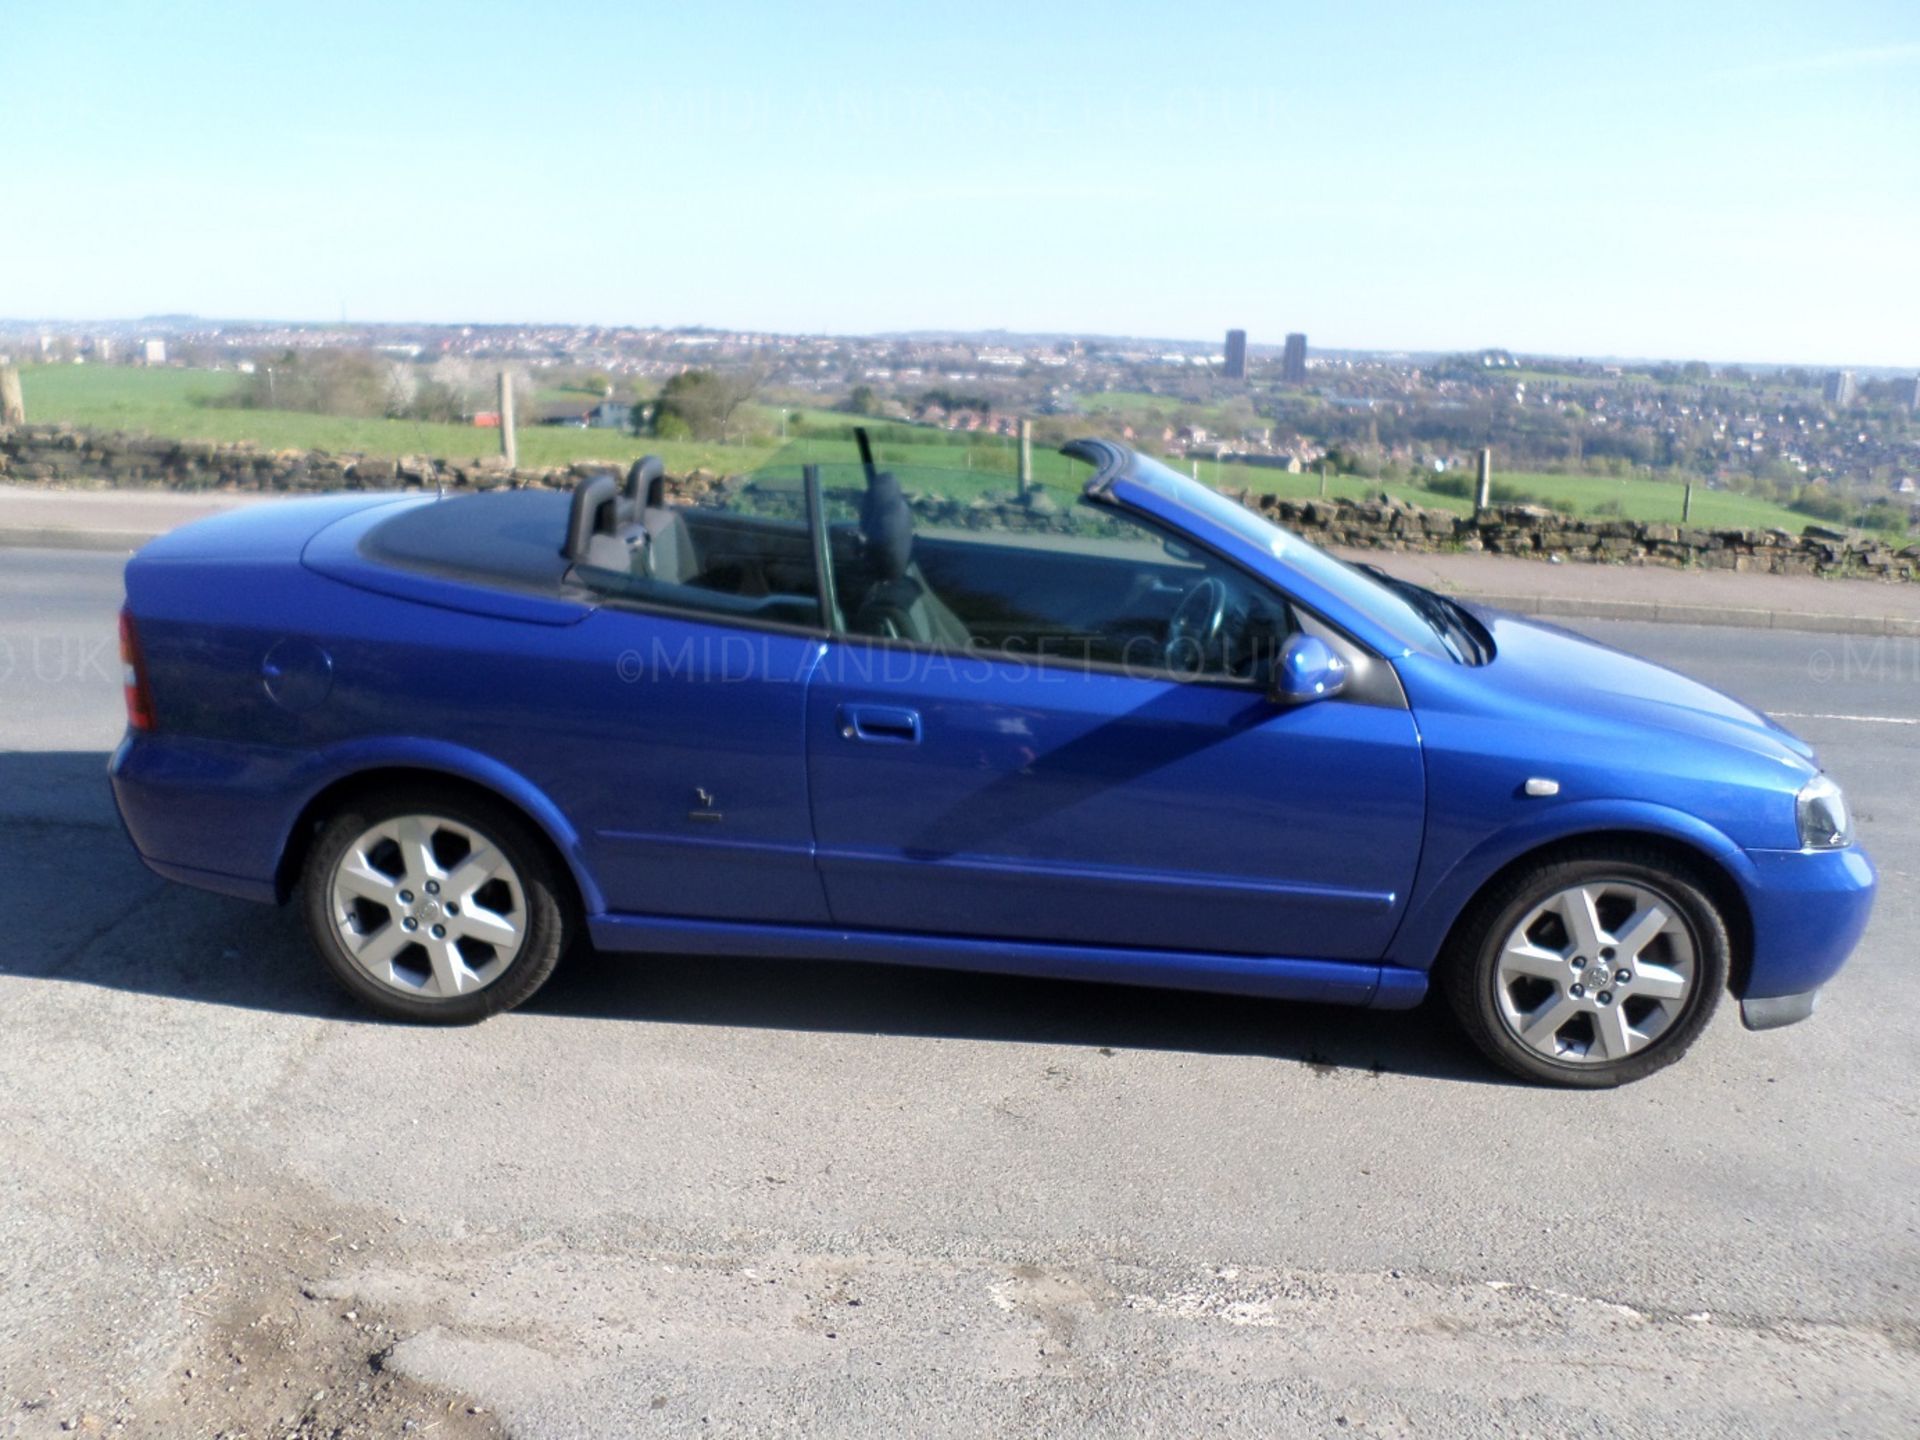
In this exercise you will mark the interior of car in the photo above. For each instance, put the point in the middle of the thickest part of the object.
(630, 542)
(1110, 591)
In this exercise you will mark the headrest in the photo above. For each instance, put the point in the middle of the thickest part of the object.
(887, 521)
(595, 509)
(647, 483)
(883, 488)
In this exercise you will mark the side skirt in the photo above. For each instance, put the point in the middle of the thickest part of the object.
(1384, 987)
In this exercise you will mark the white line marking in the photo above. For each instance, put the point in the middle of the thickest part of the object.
(1861, 719)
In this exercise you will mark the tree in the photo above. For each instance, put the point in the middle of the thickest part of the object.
(435, 400)
(701, 404)
(1237, 417)
(321, 382)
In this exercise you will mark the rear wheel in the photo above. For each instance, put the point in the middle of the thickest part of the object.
(434, 907)
(1590, 969)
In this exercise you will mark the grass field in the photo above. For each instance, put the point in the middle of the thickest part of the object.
(1639, 499)
(1644, 499)
(962, 472)
(176, 403)
(1134, 402)
(1139, 407)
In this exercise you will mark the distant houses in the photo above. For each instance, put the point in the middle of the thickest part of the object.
(580, 415)
(971, 422)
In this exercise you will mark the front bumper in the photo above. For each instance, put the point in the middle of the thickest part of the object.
(1809, 909)
(1771, 1012)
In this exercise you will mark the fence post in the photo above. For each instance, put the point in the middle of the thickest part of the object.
(13, 409)
(507, 445)
(1026, 458)
(1323, 479)
(1686, 504)
(1483, 492)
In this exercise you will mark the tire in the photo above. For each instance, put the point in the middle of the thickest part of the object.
(1654, 955)
(435, 906)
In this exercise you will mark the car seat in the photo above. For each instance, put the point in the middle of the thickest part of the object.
(898, 603)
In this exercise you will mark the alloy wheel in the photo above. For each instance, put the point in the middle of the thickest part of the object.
(1596, 972)
(428, 906)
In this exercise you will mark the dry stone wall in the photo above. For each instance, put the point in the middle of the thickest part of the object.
(1531, 530)
(64, 456)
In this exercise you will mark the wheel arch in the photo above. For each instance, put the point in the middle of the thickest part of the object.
(1715, 861)
(484, 780)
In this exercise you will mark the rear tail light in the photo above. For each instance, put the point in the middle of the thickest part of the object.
(133, 676)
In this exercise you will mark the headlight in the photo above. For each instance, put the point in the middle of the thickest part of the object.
(1822, 812)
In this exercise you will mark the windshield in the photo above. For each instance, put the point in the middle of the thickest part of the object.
(1379, 602)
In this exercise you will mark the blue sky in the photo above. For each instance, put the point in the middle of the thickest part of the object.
(1725, 181)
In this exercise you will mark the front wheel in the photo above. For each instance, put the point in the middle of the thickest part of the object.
(434, 907)
(1591, 969)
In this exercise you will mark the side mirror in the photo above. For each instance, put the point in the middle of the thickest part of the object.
(1307, 670)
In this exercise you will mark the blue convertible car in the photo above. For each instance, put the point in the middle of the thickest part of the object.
(1133, 733)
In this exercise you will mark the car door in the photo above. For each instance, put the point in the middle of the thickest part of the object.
(1049, 789)
(683, 712)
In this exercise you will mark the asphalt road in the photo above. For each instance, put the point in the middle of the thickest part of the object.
(737, 1197)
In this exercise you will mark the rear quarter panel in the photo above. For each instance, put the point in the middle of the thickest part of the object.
(218, 786)
(597, 722)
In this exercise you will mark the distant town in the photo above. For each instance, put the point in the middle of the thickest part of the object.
(1781, 431)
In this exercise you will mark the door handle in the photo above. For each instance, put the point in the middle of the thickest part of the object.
(880, 724)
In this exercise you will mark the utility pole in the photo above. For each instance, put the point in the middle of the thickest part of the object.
(1026, 458)
(13, 409)
(507, 446)
(1483, 492)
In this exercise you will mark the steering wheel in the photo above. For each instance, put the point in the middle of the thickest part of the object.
(1195, 625)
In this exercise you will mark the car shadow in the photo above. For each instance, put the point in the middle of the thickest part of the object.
(867, 998)
(141, 935)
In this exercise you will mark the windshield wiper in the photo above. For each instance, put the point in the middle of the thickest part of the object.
(1468, 628)
(1448, 619)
